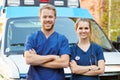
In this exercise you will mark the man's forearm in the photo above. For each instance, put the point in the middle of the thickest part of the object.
(35, 59)
(61, 62)
(38, 60)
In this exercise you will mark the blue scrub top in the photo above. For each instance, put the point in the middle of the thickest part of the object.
(90, 57)
(56, 44)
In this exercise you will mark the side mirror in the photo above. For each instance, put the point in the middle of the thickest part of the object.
(117, 44)
(118, 41)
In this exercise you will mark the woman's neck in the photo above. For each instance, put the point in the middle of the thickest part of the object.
(84, 44)
(84, 41)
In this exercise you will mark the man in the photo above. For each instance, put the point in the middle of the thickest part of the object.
(46, 51)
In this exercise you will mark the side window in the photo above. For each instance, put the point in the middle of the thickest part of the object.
(18, 29)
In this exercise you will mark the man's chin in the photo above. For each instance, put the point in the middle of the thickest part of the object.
(48, 29)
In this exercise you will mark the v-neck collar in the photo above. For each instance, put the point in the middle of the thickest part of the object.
(49, 36)
(86, 50)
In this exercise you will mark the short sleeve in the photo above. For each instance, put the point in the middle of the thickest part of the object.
(30, 41)
(64, 48)
(73, 49)
(100, 53)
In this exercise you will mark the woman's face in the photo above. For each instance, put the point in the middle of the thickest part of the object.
(83, 29)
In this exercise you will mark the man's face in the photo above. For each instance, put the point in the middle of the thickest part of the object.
(47, 18)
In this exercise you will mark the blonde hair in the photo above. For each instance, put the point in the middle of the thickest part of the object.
(48, 6)
(84, 20)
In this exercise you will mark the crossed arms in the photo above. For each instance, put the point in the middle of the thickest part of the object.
(87, 70)
(49, 61)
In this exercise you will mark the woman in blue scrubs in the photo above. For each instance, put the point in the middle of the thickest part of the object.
(46, 51)
(87, 59)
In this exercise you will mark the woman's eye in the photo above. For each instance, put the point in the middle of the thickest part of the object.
(80, 28)
(86, 28)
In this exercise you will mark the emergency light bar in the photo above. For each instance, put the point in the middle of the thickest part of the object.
(39, 3)
(29, 2)
(13, 2)
(73, 3)
(46, 1)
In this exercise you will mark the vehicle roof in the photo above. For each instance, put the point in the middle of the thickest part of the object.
(12, 12)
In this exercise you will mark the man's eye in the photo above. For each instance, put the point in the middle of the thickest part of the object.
(44, 16)
(50, 16)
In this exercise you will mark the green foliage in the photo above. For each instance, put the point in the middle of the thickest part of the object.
(115, 22)
(114, 33)
(114, 19)
(104, 18)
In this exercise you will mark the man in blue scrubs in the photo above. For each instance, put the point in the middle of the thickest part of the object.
(46, 51)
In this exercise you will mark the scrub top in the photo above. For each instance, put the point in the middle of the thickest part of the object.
(90, 57)
(55, 44)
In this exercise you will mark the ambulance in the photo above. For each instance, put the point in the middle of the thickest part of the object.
(22, 18)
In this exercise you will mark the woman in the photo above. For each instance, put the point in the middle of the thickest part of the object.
(87, 59)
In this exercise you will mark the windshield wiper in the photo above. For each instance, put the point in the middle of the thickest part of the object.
(108, 50)
(17, 44)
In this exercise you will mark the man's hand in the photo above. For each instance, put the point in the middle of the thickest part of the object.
(32, 58)
(73, 66)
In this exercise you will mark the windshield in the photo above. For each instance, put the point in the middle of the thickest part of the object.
(19, 28)
(99, 37)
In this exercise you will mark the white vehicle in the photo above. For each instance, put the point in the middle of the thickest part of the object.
(21, 21)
